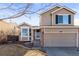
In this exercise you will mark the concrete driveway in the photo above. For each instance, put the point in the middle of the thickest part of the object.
(62, 51)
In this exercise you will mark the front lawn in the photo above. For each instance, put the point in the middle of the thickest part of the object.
(17, 50)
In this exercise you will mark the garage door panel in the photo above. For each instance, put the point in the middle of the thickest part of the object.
(60, 39)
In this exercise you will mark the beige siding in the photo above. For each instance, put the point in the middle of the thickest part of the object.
(46, 18)
(63, 11)
(61, 30)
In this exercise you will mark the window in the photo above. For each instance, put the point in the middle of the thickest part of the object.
(24, 32)
(63, 19)
(60, 19)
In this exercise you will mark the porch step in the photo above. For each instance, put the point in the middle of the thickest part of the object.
(28, 44)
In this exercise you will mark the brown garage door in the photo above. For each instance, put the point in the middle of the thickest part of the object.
(60, 40)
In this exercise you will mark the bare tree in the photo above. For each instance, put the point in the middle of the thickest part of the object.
(24, 11)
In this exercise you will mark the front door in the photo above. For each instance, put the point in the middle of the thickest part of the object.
(37, 38)
(37, 34)
(24, 33)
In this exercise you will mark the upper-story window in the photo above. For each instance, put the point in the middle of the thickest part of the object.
(63, 19)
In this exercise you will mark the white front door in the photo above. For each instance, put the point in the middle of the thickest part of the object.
(37, 35)
(25, 33)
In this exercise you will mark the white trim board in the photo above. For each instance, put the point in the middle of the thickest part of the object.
(50, 8)
(56, 10)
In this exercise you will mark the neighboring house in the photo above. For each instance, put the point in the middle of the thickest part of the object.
(8, 28)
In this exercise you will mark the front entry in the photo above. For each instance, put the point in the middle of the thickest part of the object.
(37, 38)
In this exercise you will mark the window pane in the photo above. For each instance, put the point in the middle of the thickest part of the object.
(24, 32)
(65, 19)
(60, 19)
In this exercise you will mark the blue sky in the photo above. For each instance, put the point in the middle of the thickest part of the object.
(34, 19)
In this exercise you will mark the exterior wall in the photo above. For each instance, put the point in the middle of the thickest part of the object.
(23, 39)
(60, 37)
(78, 39)
(42, 37)
(60, 30)
(48, 19)
(63, 11)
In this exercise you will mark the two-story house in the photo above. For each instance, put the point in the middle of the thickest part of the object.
(56, 28)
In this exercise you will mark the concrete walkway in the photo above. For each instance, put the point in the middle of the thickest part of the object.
(62, 51)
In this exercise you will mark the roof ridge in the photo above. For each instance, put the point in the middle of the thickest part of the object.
(57, 5)
(24, 23)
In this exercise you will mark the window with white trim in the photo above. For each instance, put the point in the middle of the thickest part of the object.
(24, 32)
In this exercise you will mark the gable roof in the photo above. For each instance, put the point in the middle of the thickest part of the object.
(57, 5)
(24, 24)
